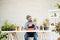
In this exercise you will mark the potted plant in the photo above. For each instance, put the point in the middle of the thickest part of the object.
(57, 28)
(18, 28)
(12, 27)
(46, 24)
(35, 22)
(41, 27)
(3, 35)
(58, 5)
(8, 27)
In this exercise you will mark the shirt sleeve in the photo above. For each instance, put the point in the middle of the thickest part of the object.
(25, 25)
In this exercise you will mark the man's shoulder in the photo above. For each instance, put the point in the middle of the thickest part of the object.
(26, 23)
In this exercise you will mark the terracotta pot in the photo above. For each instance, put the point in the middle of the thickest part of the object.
(18, 28)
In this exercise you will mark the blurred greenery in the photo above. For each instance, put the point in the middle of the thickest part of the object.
(8, 25)
(57, 28)
(58, 5)
(34, 20)
(3, 35)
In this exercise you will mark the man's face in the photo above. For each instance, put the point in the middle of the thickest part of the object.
(29, 19)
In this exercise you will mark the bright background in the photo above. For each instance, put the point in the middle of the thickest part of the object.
(15, 11)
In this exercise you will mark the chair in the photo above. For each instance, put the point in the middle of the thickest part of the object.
(30, 38)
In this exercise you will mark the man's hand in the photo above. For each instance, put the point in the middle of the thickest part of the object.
(29, 28)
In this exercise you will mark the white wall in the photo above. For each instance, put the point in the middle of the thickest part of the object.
(16, 10)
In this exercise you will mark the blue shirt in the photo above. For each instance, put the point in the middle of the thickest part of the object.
(31, 34)
(27, 23)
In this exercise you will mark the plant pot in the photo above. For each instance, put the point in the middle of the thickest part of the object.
(11, 29)
(46, 28)
(18, 28)
(3, 29)
(41, 27)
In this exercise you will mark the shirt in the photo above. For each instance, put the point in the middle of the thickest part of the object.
(27, 23)
(31, 34)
